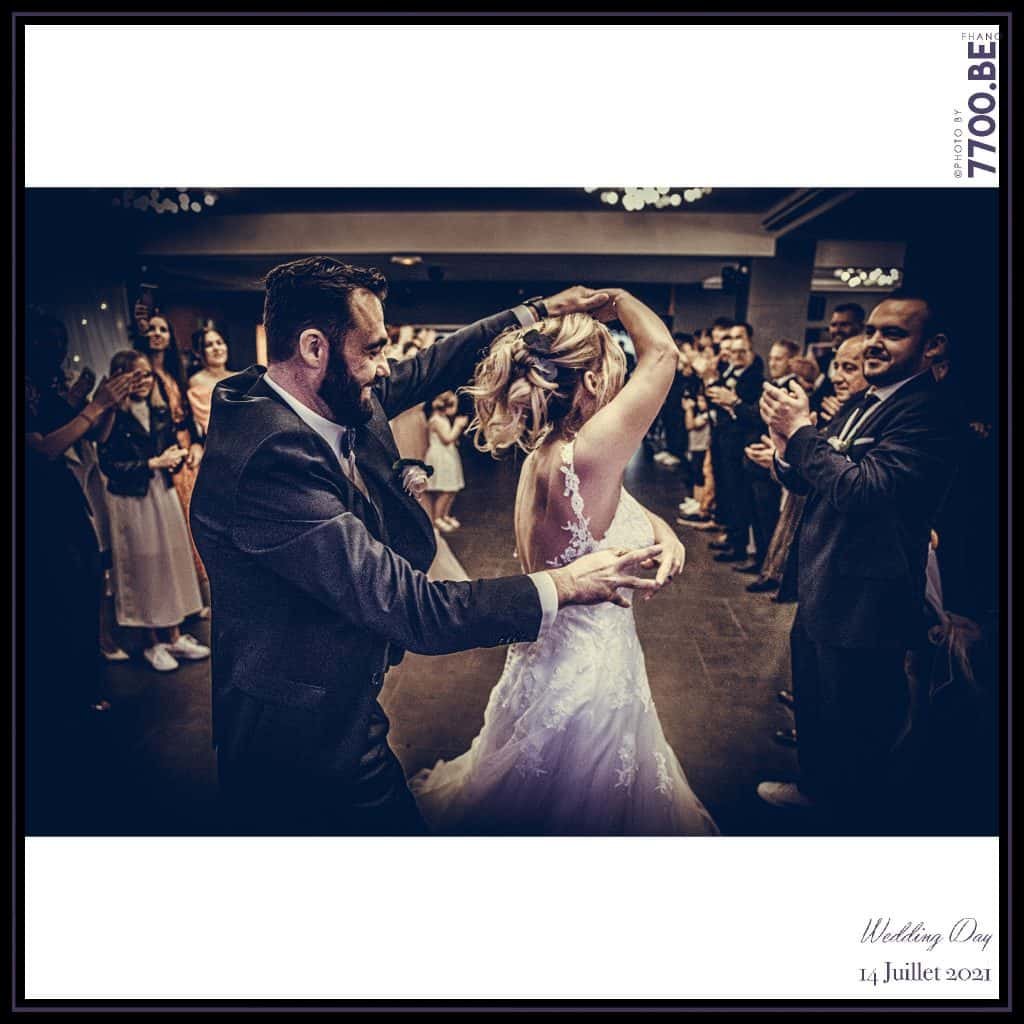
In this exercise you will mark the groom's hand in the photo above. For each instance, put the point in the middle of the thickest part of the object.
(596, 577)
(577, 299)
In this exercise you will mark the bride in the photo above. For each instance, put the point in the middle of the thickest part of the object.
(571, 742)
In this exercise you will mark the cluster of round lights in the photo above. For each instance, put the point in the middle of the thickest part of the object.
(857, 277)
(178, 200)
(646, 198)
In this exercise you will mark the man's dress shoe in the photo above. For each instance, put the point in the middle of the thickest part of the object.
(730, 556)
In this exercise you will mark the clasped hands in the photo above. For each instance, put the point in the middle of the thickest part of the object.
(599, 303)
(597, 577)
(724, 397)
(785, 411)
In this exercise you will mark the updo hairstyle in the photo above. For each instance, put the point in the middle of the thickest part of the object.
(531, 382)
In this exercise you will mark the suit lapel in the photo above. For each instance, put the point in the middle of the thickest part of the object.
(839, 423)
(376, 454)
(363, 508)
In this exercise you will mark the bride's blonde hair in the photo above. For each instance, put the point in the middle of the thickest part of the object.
(531, 381)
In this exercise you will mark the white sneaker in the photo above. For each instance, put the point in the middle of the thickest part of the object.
(160, 658)
(189, 648)
(783, 794)
(115, 655)
(690, 507)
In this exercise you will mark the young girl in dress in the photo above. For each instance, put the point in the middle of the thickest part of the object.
(154, 577)
(698, 438)
(445, 429)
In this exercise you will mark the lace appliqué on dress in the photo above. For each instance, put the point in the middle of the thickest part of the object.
(626, 774)
(582, 540)
(664, 786)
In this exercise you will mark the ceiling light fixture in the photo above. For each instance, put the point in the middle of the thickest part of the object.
(659, 198)
(857, 277)
(169, 200)
(407, 261)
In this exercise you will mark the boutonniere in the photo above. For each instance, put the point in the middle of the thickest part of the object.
(413, 475)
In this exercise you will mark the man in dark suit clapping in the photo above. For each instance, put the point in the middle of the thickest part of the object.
(873, 482)
(316, 547)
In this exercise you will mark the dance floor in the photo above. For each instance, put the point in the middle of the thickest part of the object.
(715, 655)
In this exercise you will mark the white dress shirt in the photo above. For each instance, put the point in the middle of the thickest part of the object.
(888, 390)
(330, 431)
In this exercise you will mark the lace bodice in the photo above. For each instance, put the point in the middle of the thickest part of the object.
(629, 528)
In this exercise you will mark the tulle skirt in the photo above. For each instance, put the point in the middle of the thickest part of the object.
(154, 576)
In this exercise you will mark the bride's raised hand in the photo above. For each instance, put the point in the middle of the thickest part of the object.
(608, 311)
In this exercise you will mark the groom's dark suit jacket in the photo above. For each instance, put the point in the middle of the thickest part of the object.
(314, 588)
(863, 539)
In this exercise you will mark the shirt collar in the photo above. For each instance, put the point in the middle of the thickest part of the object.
(329, 430)
(888, 390)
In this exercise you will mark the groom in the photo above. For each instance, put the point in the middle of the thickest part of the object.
(316, 555)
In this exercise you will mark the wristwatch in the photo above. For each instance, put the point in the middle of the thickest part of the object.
(538, 306)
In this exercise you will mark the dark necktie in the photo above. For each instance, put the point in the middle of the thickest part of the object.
(857, 417)
(348, 442)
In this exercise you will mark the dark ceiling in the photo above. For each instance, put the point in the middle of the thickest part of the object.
(319, 200)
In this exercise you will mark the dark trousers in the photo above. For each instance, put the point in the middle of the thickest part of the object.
(62, 670)
(852, 718)
(695, 461)
(278, 775)
(764, 497)
(731, 494)
(675, 429)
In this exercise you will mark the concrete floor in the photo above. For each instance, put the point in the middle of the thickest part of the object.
(715, 657)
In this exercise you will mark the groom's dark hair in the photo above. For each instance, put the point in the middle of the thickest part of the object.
(313, 292)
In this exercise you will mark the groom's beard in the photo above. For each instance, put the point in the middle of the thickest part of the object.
(345, 398)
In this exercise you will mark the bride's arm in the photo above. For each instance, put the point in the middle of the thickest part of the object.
(673, 554)
(609, 439)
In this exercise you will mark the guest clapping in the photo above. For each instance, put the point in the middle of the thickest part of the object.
(155, 581)
(63, 584)
(873, 482)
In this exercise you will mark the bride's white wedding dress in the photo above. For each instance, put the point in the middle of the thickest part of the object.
(571, 742)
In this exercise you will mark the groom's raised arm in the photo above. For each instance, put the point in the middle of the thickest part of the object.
(445, 366)
(449, 365)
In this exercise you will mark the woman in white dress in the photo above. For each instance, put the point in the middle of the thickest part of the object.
(571, 741)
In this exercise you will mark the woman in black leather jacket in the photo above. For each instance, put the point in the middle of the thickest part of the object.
(155, 581)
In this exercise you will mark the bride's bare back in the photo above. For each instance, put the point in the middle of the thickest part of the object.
(543, 509)
(576, 368)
